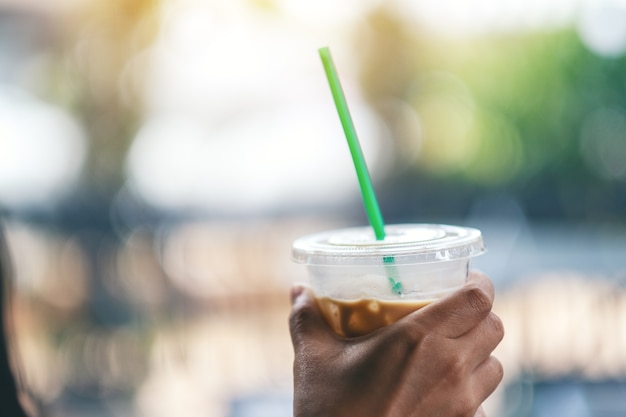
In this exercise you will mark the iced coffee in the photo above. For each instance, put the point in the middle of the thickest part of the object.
(362, 284)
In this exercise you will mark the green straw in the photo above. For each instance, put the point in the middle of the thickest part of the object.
(367, 190)
(365, 182)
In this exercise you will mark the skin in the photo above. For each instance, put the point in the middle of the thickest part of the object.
(435, 362)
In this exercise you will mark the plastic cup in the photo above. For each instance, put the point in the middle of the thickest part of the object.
(362, 284)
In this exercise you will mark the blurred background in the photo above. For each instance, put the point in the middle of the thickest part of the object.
(157, 158)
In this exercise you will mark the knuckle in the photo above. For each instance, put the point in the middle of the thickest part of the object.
(478, 299)
(498, 369)
(404, 339)
(497, 327)
(454, 369)
(410, 335)
(432, 345)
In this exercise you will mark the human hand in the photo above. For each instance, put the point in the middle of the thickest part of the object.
(435, 362)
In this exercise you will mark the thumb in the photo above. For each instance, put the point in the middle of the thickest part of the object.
(306, 323)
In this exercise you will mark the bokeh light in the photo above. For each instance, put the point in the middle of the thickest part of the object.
(602, 27)
(240, 122)
(181, 164)
(42, 149)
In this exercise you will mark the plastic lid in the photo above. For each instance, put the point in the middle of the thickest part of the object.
(406, 243)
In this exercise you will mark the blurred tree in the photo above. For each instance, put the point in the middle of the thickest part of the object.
(531, 114)
(96, 69)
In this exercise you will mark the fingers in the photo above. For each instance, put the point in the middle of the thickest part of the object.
(481, 280)
(486, 378)
(482, 340)
(461, 311)
(305, 320)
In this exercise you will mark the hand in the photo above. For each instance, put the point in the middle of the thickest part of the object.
(435, 362)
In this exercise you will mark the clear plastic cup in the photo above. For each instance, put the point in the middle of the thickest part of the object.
(362, 284)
